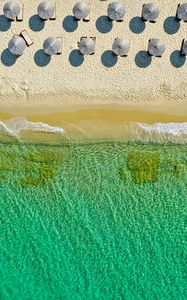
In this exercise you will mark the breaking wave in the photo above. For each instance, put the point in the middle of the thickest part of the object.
(140, 132)
(162, 132)
(14, 126)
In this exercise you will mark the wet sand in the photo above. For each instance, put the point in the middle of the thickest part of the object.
(94, 122)
(58, 115)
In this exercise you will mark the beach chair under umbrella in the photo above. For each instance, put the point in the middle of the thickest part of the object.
(81, 11)
(121, 46)
(116, 11)
(17, 45)
(182, 12)
(46, 10)
(52, 46)
(156, 47)
(87, 45)
(150, 12)
(11, 9)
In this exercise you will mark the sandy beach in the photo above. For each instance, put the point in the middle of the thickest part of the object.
(66, 81)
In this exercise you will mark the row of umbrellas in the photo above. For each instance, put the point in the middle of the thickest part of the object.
(17, 45)
(116, 10)
(120, 46)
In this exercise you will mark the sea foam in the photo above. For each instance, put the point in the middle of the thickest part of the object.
(141, 132)
(162, 132)
(14, 126)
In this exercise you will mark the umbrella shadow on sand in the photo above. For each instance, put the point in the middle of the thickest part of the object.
(41, 58)
(8, 59)
(5, 24)
(171, 25)
(70, 24)
(109, 59)
(104, 24)
(137, 25)
(177, 59)
(76, 59)
(143, 59)
(36, 23)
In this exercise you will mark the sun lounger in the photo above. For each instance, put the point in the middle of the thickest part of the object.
(20, 16)
(182, 46)
(26, 37)
(54, 16)
(60, 51)
(87, 19)
(83, 37)
(177, 12)
(93, 38)
(142, 13)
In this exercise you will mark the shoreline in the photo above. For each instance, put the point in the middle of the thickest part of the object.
(90, 123)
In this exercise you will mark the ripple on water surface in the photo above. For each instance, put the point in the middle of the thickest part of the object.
(92, 221)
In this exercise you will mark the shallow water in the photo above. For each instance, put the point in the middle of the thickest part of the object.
(93, 221)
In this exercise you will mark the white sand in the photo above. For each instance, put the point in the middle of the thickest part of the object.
(92, 83)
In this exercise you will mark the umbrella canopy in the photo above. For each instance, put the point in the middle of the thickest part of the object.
(87, 46)
(17, 45)
(182, 12)
(121, 46)
(156, 47)
(116, 11)
(150, 12)
(11, 9)
(46, 10)
(81, 10)
(51, 46)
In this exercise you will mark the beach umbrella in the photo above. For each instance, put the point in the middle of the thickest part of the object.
(46, 10)
(11, 9)
(87, 46)
(182, 12)
(150, 12)
(156, 47)
(121, 46)
(81, 10)
(17, 45)
(51, 46)
(116, 11)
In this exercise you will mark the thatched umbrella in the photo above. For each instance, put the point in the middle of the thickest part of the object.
(150, 12)
(182, 12)
(51, 46)
(121, 46)
(46, 10)
(116, 11)
(156, 47)
(11, 9)
(17, 45)
(87, 46)
(81, 10)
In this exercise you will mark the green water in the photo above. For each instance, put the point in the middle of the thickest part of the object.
(93, 221)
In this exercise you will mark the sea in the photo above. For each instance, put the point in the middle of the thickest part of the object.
(93, 219)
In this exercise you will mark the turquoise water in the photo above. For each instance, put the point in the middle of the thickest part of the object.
(93, 221)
